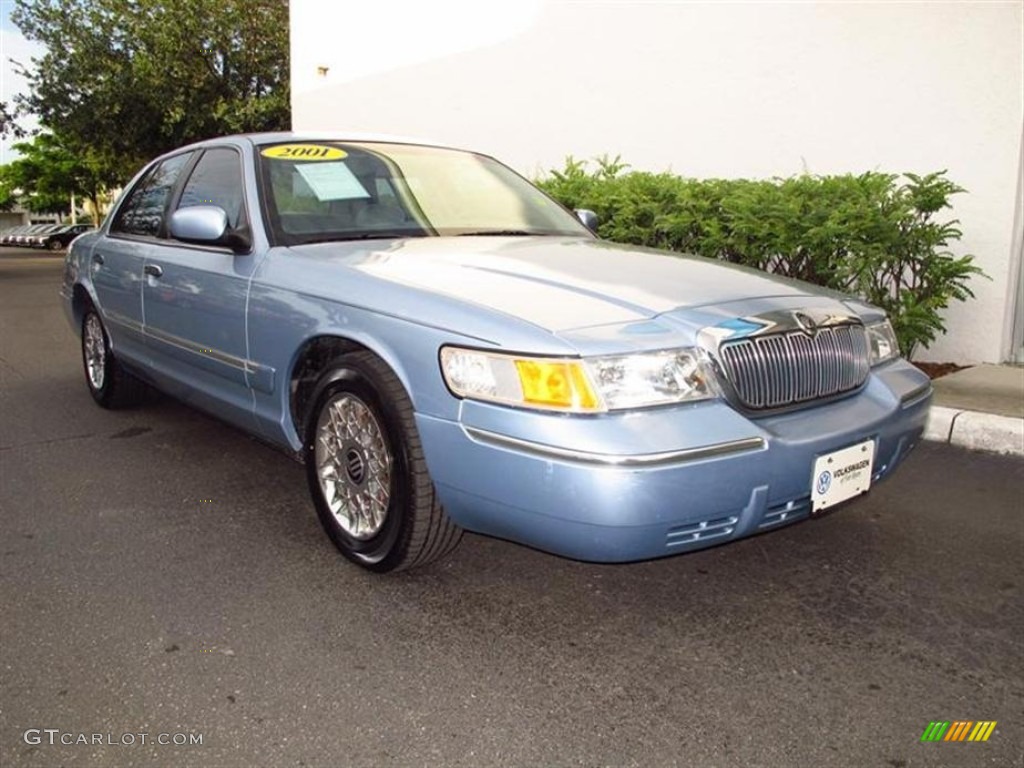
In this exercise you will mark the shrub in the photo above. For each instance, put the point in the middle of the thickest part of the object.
(874, 235)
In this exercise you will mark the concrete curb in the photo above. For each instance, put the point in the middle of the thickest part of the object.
(975, 430)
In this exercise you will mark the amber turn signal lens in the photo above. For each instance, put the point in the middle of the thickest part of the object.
(557, 384)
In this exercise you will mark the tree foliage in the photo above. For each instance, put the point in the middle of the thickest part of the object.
(8, 194)
(130, 79)
(49, 172)
(7, 125)
(875, 235)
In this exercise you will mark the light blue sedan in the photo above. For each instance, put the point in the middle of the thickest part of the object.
(448, 349)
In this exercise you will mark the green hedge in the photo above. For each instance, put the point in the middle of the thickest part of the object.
(873, 235)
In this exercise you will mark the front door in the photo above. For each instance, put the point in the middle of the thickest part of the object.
(194, 300)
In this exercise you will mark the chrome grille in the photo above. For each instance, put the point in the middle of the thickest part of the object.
(781, 369)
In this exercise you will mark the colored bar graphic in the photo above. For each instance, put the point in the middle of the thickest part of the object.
(958, 730)
(982, 730)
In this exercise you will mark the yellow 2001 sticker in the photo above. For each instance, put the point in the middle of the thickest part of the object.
(304, 152)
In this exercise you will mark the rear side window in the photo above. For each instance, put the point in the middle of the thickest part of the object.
(217, 180)
(143, 210)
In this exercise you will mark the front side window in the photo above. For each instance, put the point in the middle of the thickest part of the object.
(217, 180)
(322, 191)
(143, 210)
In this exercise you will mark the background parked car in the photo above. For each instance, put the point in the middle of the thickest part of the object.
(59, 238)
(22, 233)
(23, 238)
(9, 234)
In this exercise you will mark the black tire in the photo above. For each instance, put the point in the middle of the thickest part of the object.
(54, 245)
(109, 384)
(414, 529)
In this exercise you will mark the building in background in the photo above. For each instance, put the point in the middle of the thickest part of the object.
(14, 218)
(706, 90)
(19, 216)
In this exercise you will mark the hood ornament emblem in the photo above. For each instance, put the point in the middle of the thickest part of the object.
(806, 323)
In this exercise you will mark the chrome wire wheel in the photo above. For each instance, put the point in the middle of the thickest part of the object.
(365, 467)
(353, 465)
(95, 352)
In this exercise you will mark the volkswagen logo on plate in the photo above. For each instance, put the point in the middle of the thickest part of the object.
(824, 482)
(806, 323)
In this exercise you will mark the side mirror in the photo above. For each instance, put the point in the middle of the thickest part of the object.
(207, 225)
(587, 218)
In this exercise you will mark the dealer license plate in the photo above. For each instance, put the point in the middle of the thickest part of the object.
(841, 475)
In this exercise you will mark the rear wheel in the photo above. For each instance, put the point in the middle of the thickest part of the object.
(366, 472)
(109, 384)
(54, 245)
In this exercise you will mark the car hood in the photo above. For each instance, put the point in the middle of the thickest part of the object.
(559, 284)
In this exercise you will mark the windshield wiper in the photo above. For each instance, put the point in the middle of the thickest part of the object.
(501, 233)
(360, 236)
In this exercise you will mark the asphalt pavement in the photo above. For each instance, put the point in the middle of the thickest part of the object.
(163, 574)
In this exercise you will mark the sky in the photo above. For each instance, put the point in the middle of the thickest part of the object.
(12, 46)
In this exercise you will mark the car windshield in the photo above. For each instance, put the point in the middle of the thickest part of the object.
(327, 191)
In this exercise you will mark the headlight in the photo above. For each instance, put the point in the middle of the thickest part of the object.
(882, 342)
(586, 385)
(652, 378)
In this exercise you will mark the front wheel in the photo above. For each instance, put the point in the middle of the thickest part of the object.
(366, 471)
(54, 245)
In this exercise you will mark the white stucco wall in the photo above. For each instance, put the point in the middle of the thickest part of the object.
(705, 89)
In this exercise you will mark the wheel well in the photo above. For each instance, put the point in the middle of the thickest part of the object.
(80, 302)
(313, 358)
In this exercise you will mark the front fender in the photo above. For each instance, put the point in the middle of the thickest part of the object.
(281, 324)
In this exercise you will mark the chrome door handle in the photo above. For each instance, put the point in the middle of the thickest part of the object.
(153, 270)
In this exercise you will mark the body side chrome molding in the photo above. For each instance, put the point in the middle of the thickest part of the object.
(662, 458)
(226, 358)
(261, 377)
(123, 320)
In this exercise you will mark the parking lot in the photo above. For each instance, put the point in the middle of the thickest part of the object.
(162, 573)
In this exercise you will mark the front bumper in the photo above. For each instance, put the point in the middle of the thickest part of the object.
(633, 486)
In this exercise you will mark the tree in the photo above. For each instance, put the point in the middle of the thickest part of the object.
(7, 125)
(8, 198)
(51, 172)
(130, 79)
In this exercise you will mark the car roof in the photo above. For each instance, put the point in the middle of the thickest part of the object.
(260, 139)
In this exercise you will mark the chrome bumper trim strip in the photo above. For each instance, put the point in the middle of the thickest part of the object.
(614, 460)
(916, 395)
